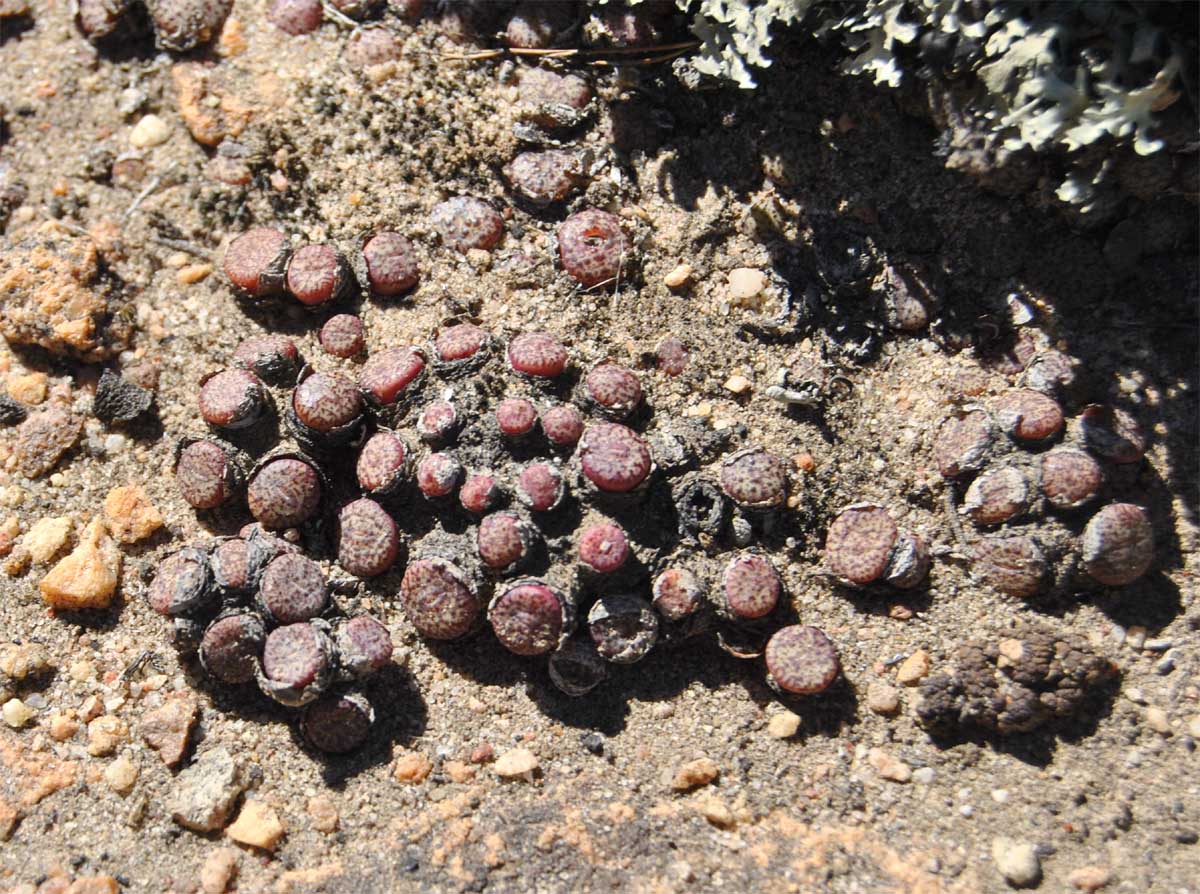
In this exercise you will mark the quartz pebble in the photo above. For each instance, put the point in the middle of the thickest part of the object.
(518, 763)
(121, 775)
(1017, 861)
(783, 726)
(745, 284)
(150, 130)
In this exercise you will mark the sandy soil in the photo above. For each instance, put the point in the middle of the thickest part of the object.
(719, 179)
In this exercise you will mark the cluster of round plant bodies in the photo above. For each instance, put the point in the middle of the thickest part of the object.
(1037, 487)
(484, 484)
(257, 610)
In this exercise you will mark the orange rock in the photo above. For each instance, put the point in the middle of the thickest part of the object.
(208, 124)
(52, 296)
(94, 884)
(413, 768)
(131, 516)
(87, 577)
(258, 825)
(694, 774)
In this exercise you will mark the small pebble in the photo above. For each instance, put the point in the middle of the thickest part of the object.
(324, 814)
(121, 775)
(694, 774)
(745, 284)
(62, 727)
(882, 698)
(193, 273)
(783, 726)
(914, 668)
(715, 810)
(413, 768)
(105, 734)
(516, 763)
(87, 577)
(218, 870)
(130, 515)
(167, 729)
(1156, 719)
(737, 384)
(1090, 878)
(258, 825)
(16, 713)
(678, 277)
(924, 775)
(47, 537)
(888, 766)
(149, 131)
(1017, 861)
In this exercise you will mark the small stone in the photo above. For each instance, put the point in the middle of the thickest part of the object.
(28, 389)
(679, 276)
(258, 825)
(204, 793)
(47, 537)
(1194, 727)
(324, 814)
(737, 384)
(44, 438)
(105, 734)
(745, 284)
(1090, 878)
(783, 726)
(1017, 862)
(121, 775)
(93, 884)
(882, 698)
(87, 577)
(16, 713)
(924, 775)
(82, 671)
(413, 768)
(516, 763)
(149, 131)
(694, 774)
(1156, 719)
(715, 810)
(218, 870)
(62, 727)
(914, 668)
(458, 771)
(888, 766)
(167, 729)
(193, 273)
(22, 661)
(130, 514)
(10, 529)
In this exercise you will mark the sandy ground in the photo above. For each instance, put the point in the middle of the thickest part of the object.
(719, 180)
